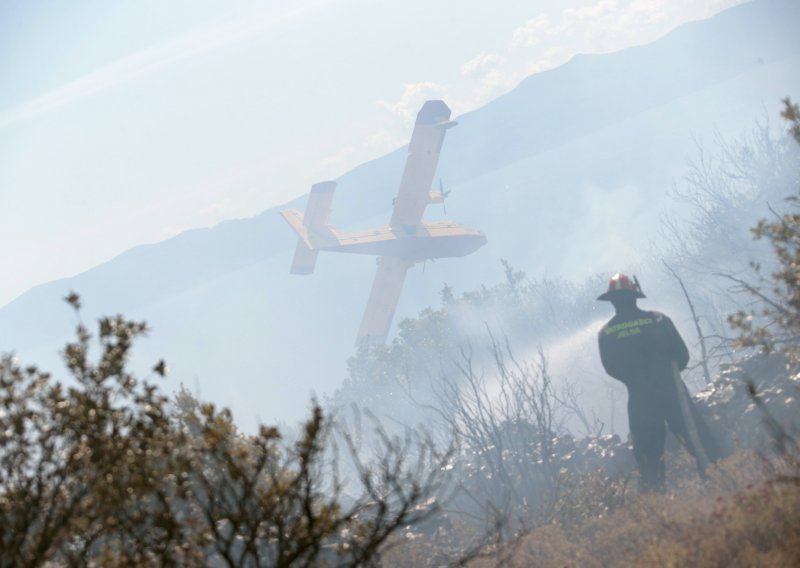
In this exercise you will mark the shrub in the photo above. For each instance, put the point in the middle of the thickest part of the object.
(107, 472)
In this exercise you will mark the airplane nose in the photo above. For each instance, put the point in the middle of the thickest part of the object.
(477, 241)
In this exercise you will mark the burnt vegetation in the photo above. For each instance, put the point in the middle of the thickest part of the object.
(105, 469)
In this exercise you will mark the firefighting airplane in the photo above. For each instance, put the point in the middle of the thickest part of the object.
(405, 241)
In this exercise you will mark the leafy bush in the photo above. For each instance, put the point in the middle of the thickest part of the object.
(107, 472)
(774, 323)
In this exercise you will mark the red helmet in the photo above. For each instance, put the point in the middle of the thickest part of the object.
(621, 285)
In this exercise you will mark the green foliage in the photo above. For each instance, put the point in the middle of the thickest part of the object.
(791, 112)
(92, 470)
(107, 472)
(774, 324)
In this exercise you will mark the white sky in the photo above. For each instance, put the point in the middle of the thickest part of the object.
(127, 122)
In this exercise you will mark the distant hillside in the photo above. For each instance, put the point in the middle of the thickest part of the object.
(567, 175)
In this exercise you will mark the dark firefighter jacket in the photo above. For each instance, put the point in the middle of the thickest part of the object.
(638, 348)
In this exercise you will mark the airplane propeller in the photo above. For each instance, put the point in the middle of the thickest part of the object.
(444, 196)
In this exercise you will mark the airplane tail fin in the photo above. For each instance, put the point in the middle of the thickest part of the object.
(311, 228)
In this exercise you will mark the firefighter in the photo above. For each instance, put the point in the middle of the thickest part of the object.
(645, 351)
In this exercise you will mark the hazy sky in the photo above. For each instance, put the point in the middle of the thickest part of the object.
(127, 122)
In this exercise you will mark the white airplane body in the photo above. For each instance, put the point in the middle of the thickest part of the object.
(405, 241)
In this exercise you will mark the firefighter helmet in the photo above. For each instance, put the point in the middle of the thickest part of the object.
(621, 285)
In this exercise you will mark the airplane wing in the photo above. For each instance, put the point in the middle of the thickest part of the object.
(413, 196)
(383, 299)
